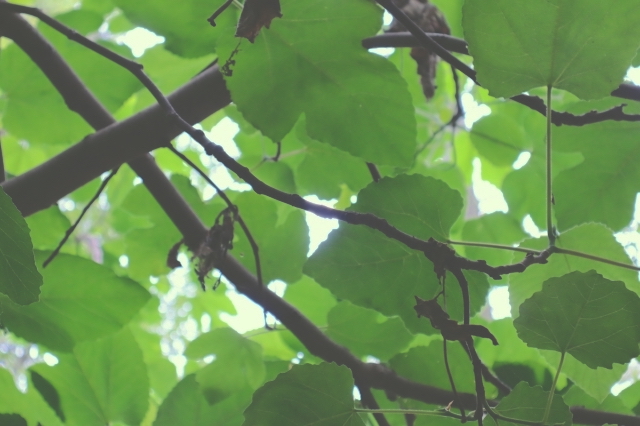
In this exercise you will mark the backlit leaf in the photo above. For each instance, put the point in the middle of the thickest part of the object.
(19, 276)
(80, 300)
(518, 45)
(319, 395)
(594, 319)
(352, 99)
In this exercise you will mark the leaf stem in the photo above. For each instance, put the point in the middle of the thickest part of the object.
(596, 258)
(495, 246)
(497, 415)
(438, 413)
(550, 230)
(547, 409)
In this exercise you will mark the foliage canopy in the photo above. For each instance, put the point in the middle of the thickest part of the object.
(97, 330)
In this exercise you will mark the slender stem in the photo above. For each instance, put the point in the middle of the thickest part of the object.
(439, 413)
(547, 410)
(453, 384)
(72, 228)
(550, 230)
(495, 246)
(495, 415)
(596, 258)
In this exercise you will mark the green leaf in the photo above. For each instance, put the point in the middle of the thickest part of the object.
(186, 405)
(370, 270)
(183, 24)
(528, 403)
(406, 201)
(592, 239)
(317, 174)
(30, 405)
(603, 188)
(311, 299)
(35, 111)
(426, 365)
(319, 395)
(280, 234)
(631, 396)
(80, 300)
(148, 248)
(594, 319)
(514, 352)
(161, 371)
(366, 332)
(19, 276)
(613, 404)
(238, 363)
(352, 99)
(496, 228)
(47, 227)
(102, 381)
(522, 44)
(361, 265)
(595, 382)
(499, 138)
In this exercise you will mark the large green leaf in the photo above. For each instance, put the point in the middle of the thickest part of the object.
(238, 363)
(183, 24)
(528, 403)
(408, 203)
(315, 172)
(366, 332)
(370, 270)
(80, 300)
(518, 45)
(30, 405)
(361, 265)
(594, 319)
(592, 239)
(352, 99)
(101, 381)
(35, 110)
(603, 188)
(186, 405)
(319, 395)
(19, 276)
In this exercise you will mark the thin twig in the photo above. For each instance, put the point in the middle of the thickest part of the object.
(493, 246)
(72, 228)
(595, 258)
(233, 207)
(477, 372)
(218, 12)
(453, 384)
(375, 173)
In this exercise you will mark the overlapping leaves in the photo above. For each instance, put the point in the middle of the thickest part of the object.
(363, 266)
(352, 99)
